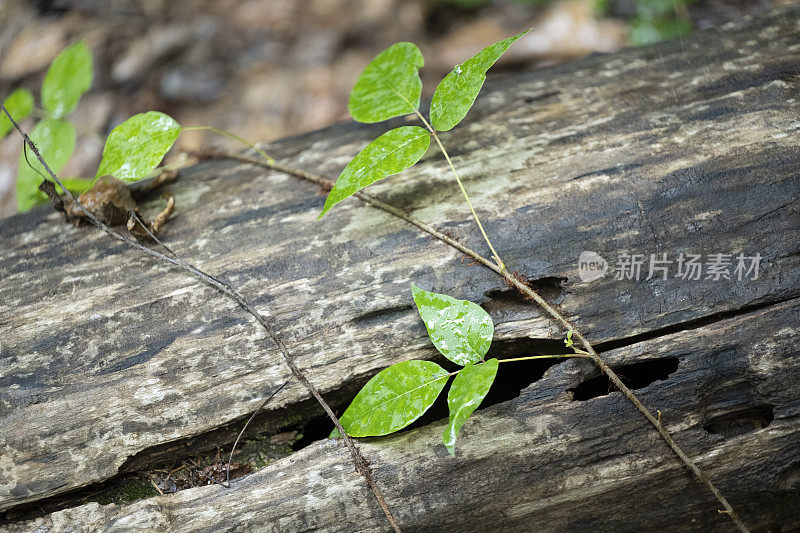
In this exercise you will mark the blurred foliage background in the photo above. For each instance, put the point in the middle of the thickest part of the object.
(265, 69)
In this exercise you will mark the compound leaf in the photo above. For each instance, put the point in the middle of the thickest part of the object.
(462, 331)
(393, 399)
(136, 147)
(69, 76)
(392, 152)
(55, 140)
(389, 86)
(466, 394)
(19, 104)
(457, 91)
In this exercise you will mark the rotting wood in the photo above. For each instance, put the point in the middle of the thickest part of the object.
(544, 461)
(699, 129)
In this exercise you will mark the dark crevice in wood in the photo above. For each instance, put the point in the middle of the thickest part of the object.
(740, 421)
(66, 500)
(634, 375)
(268, 422)
(381, 316)
(316, 429)
(535, 98)
(549, 287)
(687, 325)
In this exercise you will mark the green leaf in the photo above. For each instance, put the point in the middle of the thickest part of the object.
(19, 104)
(55, 140)
(136, 147)
(466, 394)
(69, 76)
(393, 399)
(461, 330)
(457, 91)
(392, 152)
(389, 86)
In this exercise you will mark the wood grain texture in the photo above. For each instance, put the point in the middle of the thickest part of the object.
(542, 462)
(690, 146)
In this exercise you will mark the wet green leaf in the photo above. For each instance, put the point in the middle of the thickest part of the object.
(393, 399)
(392, 152)
(19, 104)
(389, 86)
(461, 330)
(466, 394)
(457, 91)
(55, 140)
(69, 76)
(136, 147)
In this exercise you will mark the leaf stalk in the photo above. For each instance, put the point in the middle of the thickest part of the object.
(430, 128)
(235, 137)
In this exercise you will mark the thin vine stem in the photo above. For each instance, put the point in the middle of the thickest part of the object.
(551, 356)
(527, 358)
(533, 295)
(235, 137)
(430, 128)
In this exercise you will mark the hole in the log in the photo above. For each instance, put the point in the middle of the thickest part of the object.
(634, 375)
(740, 421)
(509, 304)
(548, 287)
(187, 463)
(317, 429)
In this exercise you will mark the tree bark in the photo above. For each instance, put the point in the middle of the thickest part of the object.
(111, 361)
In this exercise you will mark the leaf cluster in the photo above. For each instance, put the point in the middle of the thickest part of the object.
(394, 398)
(68, 78)
(389, 87)
(132, 151)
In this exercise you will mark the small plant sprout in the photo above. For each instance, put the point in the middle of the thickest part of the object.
(68, 78)
(394, 398)
(462, 331)
(390, 86)
(132, 151)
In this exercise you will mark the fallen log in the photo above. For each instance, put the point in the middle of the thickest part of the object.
(112, 363)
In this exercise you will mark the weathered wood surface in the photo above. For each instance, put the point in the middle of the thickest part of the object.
(541, 462)
(690, 146)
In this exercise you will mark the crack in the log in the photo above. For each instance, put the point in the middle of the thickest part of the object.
(636, 375)
(687, 325)
(304, 416)
(316, 428)
(269, 423)
(549, 287)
